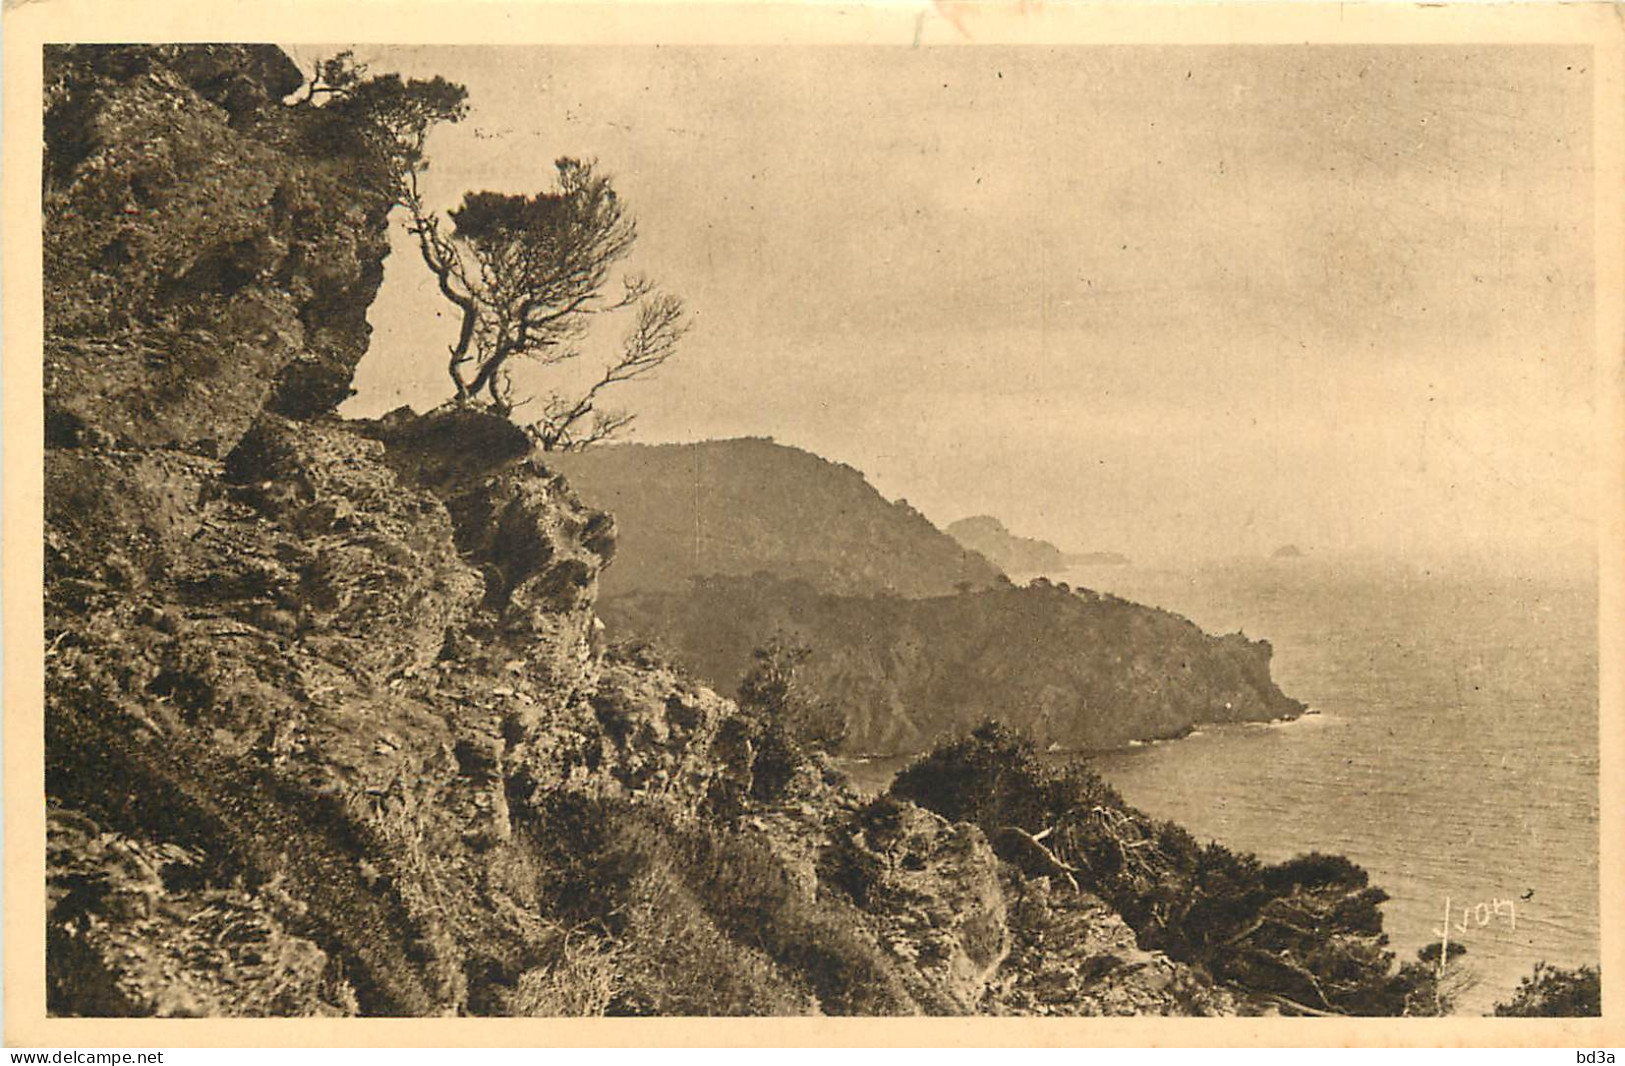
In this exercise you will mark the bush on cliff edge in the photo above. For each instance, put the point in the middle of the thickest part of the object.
(1306, 932)
(1553, 992)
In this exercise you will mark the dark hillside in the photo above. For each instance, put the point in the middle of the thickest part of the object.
(1074, 669)
(737, 507)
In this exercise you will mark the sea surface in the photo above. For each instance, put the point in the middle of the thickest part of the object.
(1453, 752)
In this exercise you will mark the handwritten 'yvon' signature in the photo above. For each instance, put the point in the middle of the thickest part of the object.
(1476, 915)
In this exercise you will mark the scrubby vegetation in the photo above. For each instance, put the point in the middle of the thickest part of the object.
(674, 897)
(780, 723)
(1553, 992)
(1306, 932)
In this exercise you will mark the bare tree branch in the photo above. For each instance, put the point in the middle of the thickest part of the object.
(652, 340)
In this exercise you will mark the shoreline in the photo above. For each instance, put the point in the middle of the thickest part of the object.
(897, 760)
(1195, 728)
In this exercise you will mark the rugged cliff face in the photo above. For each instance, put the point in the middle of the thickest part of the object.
(300, 673)
(282, 665)
(328, 726)
(209, 252)
(1075, 669)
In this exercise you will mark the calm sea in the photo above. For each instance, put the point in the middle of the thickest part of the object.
(1454, 754)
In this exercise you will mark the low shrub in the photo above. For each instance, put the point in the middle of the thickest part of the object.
(703, 919)
(782, 720)
(1553, 992)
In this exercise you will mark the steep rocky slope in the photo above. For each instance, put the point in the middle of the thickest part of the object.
(1075, 669)
(329, 727)
(737, 507)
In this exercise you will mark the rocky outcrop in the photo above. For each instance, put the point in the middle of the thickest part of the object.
(290, 646)
(302, 676)
(933, 890)
(207, 251)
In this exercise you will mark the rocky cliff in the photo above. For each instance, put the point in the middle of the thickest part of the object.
(298, 672)
(1075, 669)
(329, 726)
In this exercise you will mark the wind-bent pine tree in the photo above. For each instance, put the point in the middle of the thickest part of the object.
(527, 275)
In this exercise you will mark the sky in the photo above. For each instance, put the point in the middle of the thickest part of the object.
(1167, 301)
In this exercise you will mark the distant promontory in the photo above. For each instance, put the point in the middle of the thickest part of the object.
(987, 536)
(914, 635)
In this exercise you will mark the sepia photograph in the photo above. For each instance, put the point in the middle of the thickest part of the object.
(951, 527)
